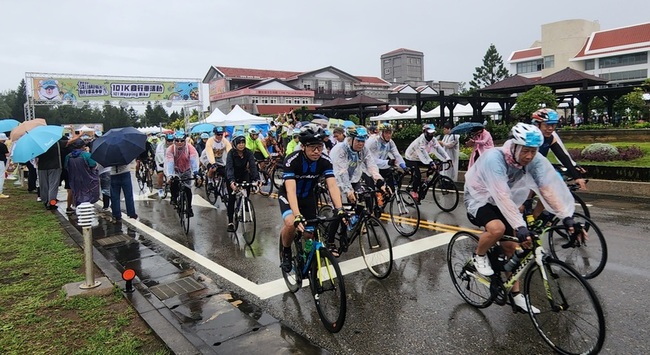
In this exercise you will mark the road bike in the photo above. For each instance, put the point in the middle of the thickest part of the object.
(244, 211)
(165, 187)
(144, 175)
(570, 318)
(268, 173)
(183, 204)
(374, 242)
(404, 210)
(215, 188)
(317, 265)
(445, 192)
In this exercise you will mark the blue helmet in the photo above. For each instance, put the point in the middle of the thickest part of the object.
(180, 135)
(238, 137)
(545, 115)
(218, 129)
(360, 133)
(429, 128)
(205, 136)
(170, 136)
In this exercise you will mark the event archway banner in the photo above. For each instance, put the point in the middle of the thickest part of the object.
(73, 89)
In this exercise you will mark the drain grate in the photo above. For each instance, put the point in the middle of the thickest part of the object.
(178, 287)
(114, 239)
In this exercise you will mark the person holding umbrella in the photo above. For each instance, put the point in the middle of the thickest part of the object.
(480, 140)
(4, 154)
(181, 162)
(82, 174)
(450, 142)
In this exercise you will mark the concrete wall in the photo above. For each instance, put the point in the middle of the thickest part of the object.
(564, 39)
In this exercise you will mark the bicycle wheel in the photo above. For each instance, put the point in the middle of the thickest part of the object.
(570, 320)
(588, 258)
(186, 212)
(376, 248)
(404, 213)
(180, 208)
(583, 205)
(328, 288)
(293, 279)
(140, 176)
(445, 193)
(246, 218)
(149, 175)
(211, 190)
(472, 287)
(267, 185)
(278, 181)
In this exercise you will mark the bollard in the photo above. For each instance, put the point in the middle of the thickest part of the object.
(85, 215)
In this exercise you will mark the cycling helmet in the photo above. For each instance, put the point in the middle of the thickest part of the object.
(170, 137)
(358, 132)
(385, 127)
(429, 128)
(238, 137)
(296, 132)
(204, 136)
(545, 115)
(372, 129)
(526, 135)
(253, 130)
(327, 133)
(218, 129)
(311, 133)
(180, 135)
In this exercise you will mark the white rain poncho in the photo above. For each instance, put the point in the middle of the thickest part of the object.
(420, 148)
(349, 165)
(380, 150)
(496, 179)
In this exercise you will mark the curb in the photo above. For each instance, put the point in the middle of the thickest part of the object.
(175, 341)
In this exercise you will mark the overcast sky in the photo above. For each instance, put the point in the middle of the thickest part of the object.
(182, 39)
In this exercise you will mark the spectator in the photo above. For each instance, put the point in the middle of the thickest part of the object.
(339, 135)
(50, 169)
(4, 155)
(121, 183)
(480, 140)
(82, 174)
(452, 146)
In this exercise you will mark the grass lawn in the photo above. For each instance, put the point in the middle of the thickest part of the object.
(36, 260)
(644, 161)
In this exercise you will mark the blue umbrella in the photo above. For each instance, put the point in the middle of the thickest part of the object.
(36, 142)
(203, 128)
(347, 124)
(465, 127)
(118, 146)
(7, 124)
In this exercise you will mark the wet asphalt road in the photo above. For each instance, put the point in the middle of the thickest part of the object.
(416, 309)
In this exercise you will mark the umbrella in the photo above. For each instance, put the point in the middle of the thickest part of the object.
(203, 127)
(35, 142)
(26, 126)
(321, 121)
(85, 128)
(465, 127)
(8, 124)
(118, 146)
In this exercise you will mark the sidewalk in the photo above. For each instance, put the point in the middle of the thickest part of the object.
(185, 308)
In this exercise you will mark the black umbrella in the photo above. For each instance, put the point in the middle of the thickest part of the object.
(118, 146)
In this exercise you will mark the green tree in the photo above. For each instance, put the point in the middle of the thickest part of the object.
(159, 116)
(18, 108)
(632, 105)
(493, 70)
(6, 103)
(533, 99)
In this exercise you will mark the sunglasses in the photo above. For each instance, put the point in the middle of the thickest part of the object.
(179, 140)
(218, 134)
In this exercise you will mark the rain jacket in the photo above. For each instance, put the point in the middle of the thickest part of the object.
(420, 148)
(256, 145)
(498, 180)
(380, 149)
(82, 176)
(178, 162)
(482, 142)
(349, 165)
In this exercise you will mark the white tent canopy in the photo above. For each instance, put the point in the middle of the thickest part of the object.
(215, 116)
(239, 117)
(150, 129)
(85, 128)
(391, 114)
(411, 113)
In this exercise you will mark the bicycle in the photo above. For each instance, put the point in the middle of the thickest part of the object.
(245, 212)
(320, 268)
(374, 242)
(404, 210)
(573, 187)
(165, 187)
(568, 306)
(268, 174)
(183, 204)
(445, 192)
(144, 175)
(216, 188)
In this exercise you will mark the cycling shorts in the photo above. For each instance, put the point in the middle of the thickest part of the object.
(307, 206)
(488, 213)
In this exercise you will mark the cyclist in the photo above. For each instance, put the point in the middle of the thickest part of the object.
(147, 156)
(418, 153)
(380, 146)
(240, 167)
(202, 143)
(328, 141)
(271, 142)
(214, 155)
(295, 140)
(181, 162)
(350, 159)
(499, 183)
(302, 170)
(547, 120)
(254, 144)
(161, 150)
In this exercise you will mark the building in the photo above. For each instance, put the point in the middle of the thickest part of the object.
(403, 66)
(269, 92)
(618, 55)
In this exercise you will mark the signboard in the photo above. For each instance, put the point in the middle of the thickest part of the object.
(66, 89)
(217, 86)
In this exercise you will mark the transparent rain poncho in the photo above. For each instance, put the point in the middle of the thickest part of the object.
(497, 179)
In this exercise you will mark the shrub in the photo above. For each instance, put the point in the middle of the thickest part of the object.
(640, 125)
(600, 152)
(408, 132)
(499, 131)
(629, 153)
(463, 156)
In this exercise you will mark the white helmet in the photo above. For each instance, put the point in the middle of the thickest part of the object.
(526, 135)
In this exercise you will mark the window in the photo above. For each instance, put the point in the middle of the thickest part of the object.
(549, 61)
(287, 101)
(306, 87)
(590, 64)
(305, 101)
(530, 66)
(623, 60)
(296, 101)
(387, 71)
(625, 75)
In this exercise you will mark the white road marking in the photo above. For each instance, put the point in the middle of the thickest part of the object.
(278, 287)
